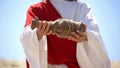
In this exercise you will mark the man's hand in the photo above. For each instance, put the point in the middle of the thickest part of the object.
(78, 36)
(43, 29)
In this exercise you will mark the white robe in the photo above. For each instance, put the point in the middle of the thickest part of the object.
(90, 54)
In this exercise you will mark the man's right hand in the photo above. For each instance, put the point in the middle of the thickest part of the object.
(43, 29)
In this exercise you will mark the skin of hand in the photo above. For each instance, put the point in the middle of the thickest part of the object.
(43, 29)
(78, 36)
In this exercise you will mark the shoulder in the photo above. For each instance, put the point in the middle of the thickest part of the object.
(36, 9)
(37, 5)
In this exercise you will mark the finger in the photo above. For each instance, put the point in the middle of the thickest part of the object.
(39, 27)
(44, 26)
(83, 36)
(72, 38)
(47, 28)
(75, 35)
(53, 33)
(50, 32)
(80, 33)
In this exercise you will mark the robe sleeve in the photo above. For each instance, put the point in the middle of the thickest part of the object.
(35, 50)
(91, 53)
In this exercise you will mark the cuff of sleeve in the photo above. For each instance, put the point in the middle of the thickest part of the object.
(34, 37)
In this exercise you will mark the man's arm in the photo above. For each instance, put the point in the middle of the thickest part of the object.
(30, 41)
(93, 48)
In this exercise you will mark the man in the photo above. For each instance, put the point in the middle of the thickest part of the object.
(80, 50)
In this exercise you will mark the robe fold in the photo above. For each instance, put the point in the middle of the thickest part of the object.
(52, 50)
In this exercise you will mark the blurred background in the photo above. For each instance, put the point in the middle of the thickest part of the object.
(12, 19)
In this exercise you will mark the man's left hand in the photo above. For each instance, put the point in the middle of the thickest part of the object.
(78, 36)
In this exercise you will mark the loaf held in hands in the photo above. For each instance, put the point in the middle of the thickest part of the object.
(62, 27)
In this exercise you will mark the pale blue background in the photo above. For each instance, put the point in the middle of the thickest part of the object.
(12, 18)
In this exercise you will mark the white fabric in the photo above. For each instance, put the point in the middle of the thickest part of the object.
(68, 10)
(90, 54)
